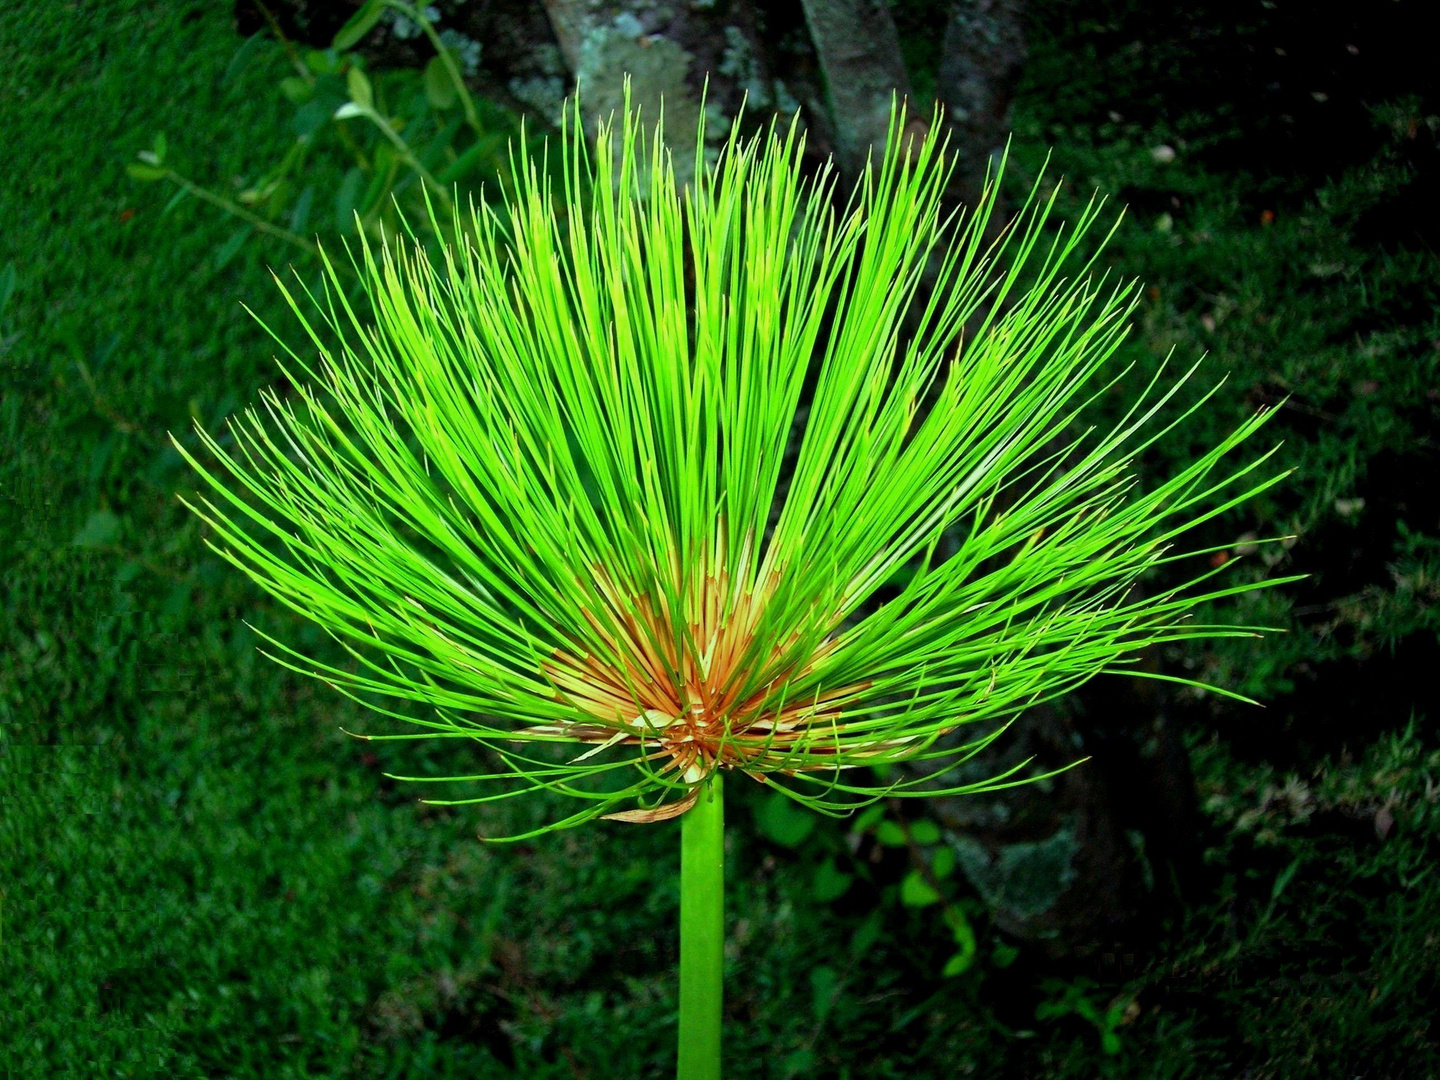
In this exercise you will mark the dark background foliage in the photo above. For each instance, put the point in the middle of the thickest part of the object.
(201, 875)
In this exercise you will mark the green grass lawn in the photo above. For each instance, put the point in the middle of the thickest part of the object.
(202, 875)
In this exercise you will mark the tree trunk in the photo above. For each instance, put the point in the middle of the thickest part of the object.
(859, 52)
(686, 54)
(982, 56)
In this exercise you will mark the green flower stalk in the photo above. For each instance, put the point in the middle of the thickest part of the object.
(646, 484)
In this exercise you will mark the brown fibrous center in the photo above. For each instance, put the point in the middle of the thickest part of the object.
(696, 699)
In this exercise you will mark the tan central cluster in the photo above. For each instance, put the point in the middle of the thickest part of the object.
(683, 702)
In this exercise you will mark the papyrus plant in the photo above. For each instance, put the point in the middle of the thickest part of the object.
(646, 485)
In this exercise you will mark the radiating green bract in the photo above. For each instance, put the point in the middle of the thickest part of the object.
(618, 490)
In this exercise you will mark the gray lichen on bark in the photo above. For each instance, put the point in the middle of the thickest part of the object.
(656, 67)
(676, 53)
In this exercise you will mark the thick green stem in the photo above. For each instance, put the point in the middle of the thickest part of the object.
(702, 934)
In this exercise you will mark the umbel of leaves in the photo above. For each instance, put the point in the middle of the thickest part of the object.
(647, 482)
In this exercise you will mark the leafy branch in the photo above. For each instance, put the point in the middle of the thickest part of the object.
(331, 86)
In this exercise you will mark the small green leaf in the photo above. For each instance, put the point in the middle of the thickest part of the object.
(296, 90)
(175, 200)
(300, 213)
(359, 87)
(1003, 955)
(242, 56)
(830, 883)
(1110, 1042)
(462, 165)
(259, 193)
(960, 928)
(784, 822)
(322, 61)
(232, 247)
(942, 863)
(439, 90)
(159, 148)
(1053, 1010)
(311, 117)
(867, 935)
(799, 1063)
(100, 528)
(432, 153)
(277, 196)
(1284, 879)
(349, 109)
(347, 197)
(965, 942)
(925, 832)
(823, 983)
(358, 25)
(386, 166)
(964, 936)
(138, 170)
(869, 818)
(916, 892)
(958, 964)
(891, 834)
